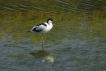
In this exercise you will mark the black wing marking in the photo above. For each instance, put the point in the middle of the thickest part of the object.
(42, 24)
(36, 28)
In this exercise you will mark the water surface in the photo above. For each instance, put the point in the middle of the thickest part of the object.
(76, 42)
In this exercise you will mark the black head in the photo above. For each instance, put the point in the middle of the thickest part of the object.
(50, 19)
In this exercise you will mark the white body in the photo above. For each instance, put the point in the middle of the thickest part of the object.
(46, 28)
(43, 28)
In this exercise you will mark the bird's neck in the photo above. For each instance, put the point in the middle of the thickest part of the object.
(50, 24)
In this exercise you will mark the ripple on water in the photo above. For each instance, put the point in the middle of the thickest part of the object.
(8, 8)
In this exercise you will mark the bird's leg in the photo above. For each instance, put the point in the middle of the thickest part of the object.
(42, 42)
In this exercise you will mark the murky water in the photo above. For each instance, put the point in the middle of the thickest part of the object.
(77, 41)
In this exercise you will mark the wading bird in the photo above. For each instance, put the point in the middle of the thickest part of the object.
(43, 28)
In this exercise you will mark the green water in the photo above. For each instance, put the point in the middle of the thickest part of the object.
(76, 42)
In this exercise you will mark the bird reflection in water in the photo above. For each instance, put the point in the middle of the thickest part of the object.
(44, 56)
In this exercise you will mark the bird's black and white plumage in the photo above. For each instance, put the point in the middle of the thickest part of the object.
(43, 27)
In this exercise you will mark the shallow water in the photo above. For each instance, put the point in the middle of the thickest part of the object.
(74, 43)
